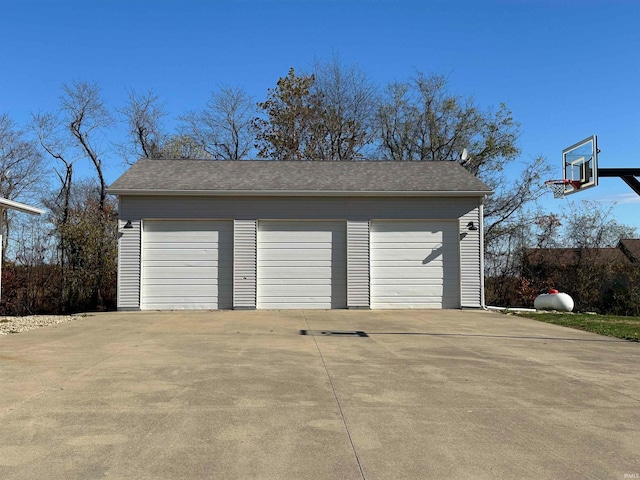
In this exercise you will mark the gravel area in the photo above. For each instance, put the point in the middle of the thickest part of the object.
(23, 324)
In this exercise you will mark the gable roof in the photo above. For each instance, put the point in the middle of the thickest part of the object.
(256, 177)
(631, 248)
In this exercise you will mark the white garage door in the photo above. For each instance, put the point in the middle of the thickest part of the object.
(187, 264)
(414, 264)
(302, 264)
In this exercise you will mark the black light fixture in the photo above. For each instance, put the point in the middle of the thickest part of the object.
(472, 226)
(128, 224)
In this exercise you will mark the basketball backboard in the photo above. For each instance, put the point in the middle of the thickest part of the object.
(580, 165)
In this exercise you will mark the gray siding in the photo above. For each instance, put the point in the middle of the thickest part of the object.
(471, 275)
(299, 208)
(352, 209)
(244, 260)
(129, 266)
(358, 264)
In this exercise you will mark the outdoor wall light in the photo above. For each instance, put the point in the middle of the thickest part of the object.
(472, 226)
(128, 224)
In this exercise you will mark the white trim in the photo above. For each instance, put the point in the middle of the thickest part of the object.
(297, 193)
(481, 232)
(6, 203)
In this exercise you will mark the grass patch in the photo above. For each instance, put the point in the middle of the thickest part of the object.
(627, 328)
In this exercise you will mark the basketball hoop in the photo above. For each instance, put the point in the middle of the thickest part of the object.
(558, 187)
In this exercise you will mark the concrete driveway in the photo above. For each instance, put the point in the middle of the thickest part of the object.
(245, 395)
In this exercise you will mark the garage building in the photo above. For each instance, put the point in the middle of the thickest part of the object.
(206, 234)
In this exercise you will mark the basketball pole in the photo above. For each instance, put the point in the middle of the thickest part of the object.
(628, 175)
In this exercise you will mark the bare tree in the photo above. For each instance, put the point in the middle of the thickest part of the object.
(143, 115)
(421, 120)
(183, 147)
(21, 165)
(397, 118)
(512, 193)
(56, 144)
(344, 112)
(223, 129)
(21, 169)
(86, 118)
(54, 140)
(590, 224)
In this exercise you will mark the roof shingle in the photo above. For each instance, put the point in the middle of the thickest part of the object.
(255, 176)
(631, 248)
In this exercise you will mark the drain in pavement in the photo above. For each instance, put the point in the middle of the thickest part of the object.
(334, 333)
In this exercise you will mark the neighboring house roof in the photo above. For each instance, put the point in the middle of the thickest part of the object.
(566, 257)
(631, 248)
(5, 203)
(254, 177)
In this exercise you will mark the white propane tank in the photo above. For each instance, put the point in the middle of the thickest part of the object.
(553, 301)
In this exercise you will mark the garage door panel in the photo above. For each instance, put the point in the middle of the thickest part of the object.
(396, 253)
(407, 291)
(178, 237)
(399, 273)
(177, 266)
(405, 281)
(414, 264)
(402, 227)
(306, 234)
(183, 242)
(301, 264)
(170, 255)
(308, 271)
(300, 281)
(169, 304)
(266, 245)
(296, 254)
(187, 264)
(418, 264)
(294, 291)
(186, 282)
(286, 228)
(410, 241)
(307, 304)
(410, 303)
(155, 273)
(185, 291)
(272, 268)
(411, 256)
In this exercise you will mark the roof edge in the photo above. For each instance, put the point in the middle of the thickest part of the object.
(296, 193)
(6, 203)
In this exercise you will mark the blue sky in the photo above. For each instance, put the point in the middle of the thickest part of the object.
(566, 68)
